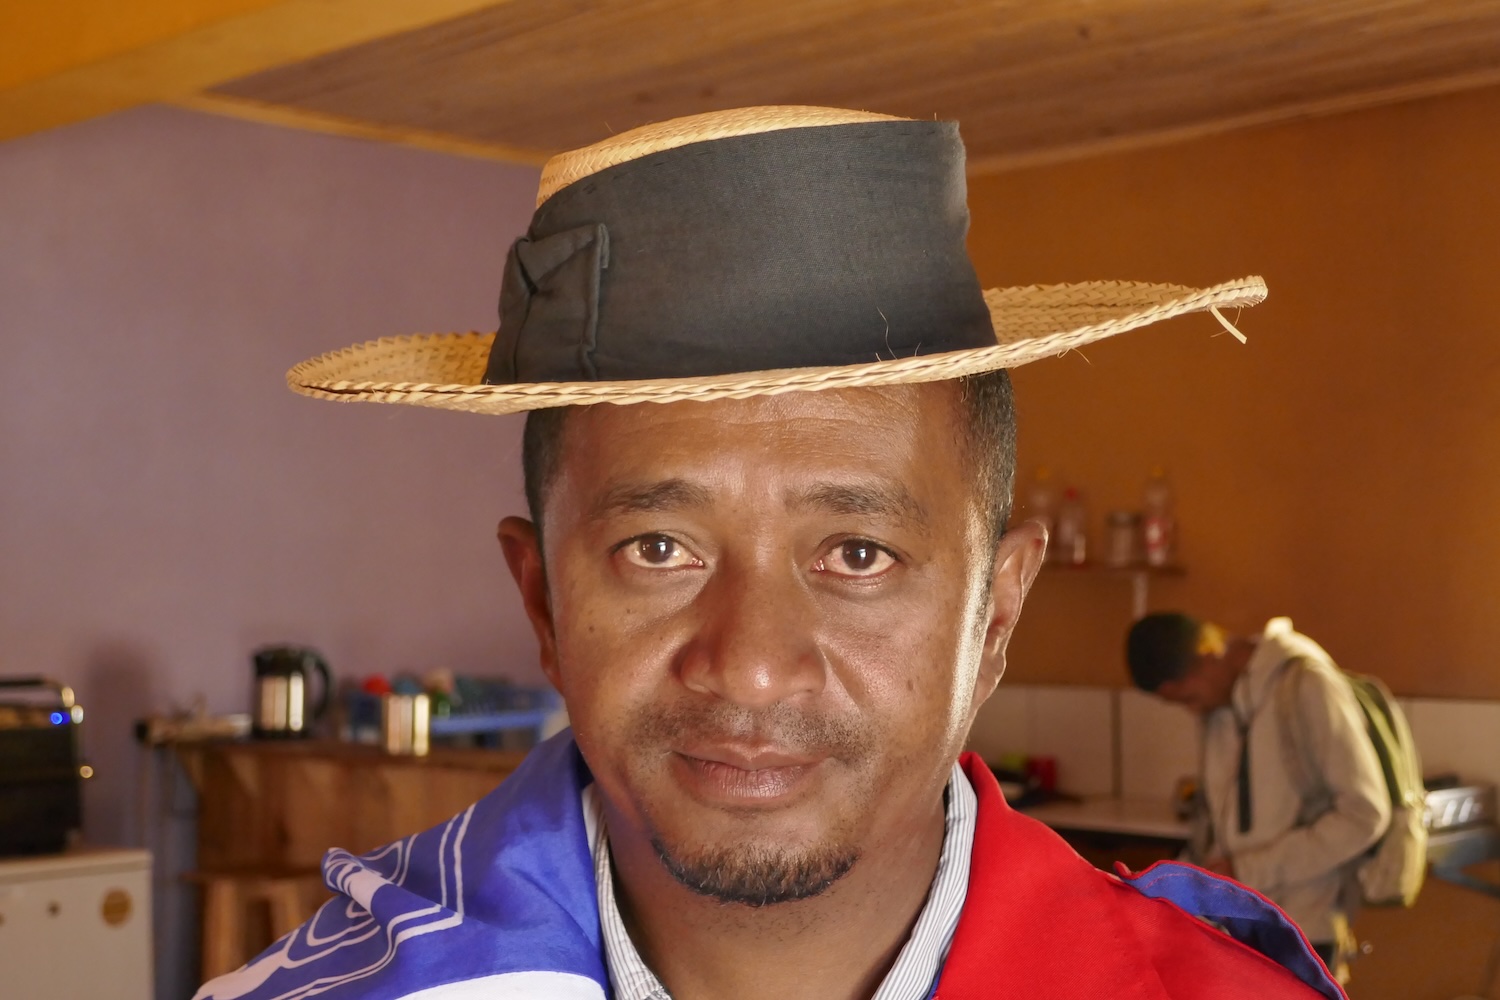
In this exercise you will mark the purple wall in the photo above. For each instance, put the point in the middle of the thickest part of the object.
(165, 503)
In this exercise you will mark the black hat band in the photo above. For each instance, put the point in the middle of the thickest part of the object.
(801, 247)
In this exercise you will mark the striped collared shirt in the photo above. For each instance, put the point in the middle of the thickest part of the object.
(917, 967)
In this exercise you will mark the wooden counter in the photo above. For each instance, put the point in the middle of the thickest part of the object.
(278, 805)
(269, 809)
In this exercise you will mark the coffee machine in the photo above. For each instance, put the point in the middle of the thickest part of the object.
(41, 766)
(283, 704)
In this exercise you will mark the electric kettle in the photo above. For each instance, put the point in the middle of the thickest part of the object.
(281, 691)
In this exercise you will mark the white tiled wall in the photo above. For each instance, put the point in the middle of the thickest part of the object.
(1461, 736)
(1158, 742)
(1071, 724)
(1158, 745)
(1002, 725)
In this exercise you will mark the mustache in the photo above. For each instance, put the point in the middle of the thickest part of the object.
(784, 726)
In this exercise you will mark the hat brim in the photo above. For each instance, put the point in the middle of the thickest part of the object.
(446, 370)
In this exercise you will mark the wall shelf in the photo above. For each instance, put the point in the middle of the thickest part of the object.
(1139, 574)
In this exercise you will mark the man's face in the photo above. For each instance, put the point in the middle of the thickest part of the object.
(772, 622)
(1204, 687)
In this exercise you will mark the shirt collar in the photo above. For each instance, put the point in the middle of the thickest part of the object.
(921, 959)
(1277, 643)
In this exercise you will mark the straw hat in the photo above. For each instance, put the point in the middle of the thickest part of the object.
(743, 253)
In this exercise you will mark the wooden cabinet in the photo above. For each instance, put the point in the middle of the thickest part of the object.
(268, 810)
(279, 805)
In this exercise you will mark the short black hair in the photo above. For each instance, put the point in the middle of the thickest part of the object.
(985, 399)
(1161, 647)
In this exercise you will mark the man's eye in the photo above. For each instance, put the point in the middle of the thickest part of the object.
(856, 557)
(658, 552)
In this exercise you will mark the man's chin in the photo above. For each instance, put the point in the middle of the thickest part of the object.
(756, 875)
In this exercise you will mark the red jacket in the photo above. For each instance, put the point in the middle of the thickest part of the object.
(1040, 923)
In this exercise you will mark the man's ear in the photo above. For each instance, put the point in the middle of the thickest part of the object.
(1018, 558)
(522, 546)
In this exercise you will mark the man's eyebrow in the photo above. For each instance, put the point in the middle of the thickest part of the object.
(888, 501)
(647, 498)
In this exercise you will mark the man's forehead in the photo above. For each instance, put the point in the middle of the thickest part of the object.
(865, 496)
(877, 409)
(866, 450)
(871, 426)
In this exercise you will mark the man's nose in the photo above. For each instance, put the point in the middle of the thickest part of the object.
(756, 638)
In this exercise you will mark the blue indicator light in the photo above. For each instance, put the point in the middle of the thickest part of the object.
(58, 718)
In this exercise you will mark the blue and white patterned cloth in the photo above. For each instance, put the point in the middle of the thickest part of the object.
(497, 903)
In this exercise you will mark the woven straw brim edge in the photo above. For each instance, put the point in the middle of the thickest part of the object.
(453, 363)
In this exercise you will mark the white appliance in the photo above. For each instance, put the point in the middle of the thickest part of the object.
(76, 925)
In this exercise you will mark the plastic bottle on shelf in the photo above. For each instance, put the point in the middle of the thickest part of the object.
(1040, 503)
(1072, 546)
(1158, 520)
(1122, 539)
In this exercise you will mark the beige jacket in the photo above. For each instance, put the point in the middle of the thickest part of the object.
(1299, 853)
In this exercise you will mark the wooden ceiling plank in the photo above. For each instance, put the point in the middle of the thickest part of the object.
(655, 77)
(1274, 80)
(586, 51)
(200, 56)
(1189, 89)
(351, 128)
(453, 54)
(596, 35)
(39, 38)
(1104, 108)
(1023, 76)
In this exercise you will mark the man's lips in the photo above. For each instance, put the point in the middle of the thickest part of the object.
(748, 758)
(742, 775)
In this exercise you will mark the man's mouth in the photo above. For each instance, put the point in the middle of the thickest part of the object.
(739, 775)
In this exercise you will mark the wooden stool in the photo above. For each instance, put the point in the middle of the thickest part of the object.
(231, 935)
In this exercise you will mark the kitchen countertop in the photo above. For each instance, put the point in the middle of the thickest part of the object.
(74, 861)
(1107, 814)
(469, 758)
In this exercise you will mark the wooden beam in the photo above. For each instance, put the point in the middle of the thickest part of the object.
(61, 61)
(40, 38)
(315, 121)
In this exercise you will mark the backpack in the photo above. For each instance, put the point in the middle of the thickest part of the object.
(1391, 872)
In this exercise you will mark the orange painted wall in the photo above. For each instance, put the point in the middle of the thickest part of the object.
(1344, 466)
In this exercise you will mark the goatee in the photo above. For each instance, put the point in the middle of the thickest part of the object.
(755, 877)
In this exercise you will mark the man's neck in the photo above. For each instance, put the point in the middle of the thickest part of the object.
(838, 945)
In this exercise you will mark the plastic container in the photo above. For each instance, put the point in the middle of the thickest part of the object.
(1158, 520)
(1122, 539)
(1072, 541)
(406, 724)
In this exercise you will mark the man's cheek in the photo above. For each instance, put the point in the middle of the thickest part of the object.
(898, 659)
